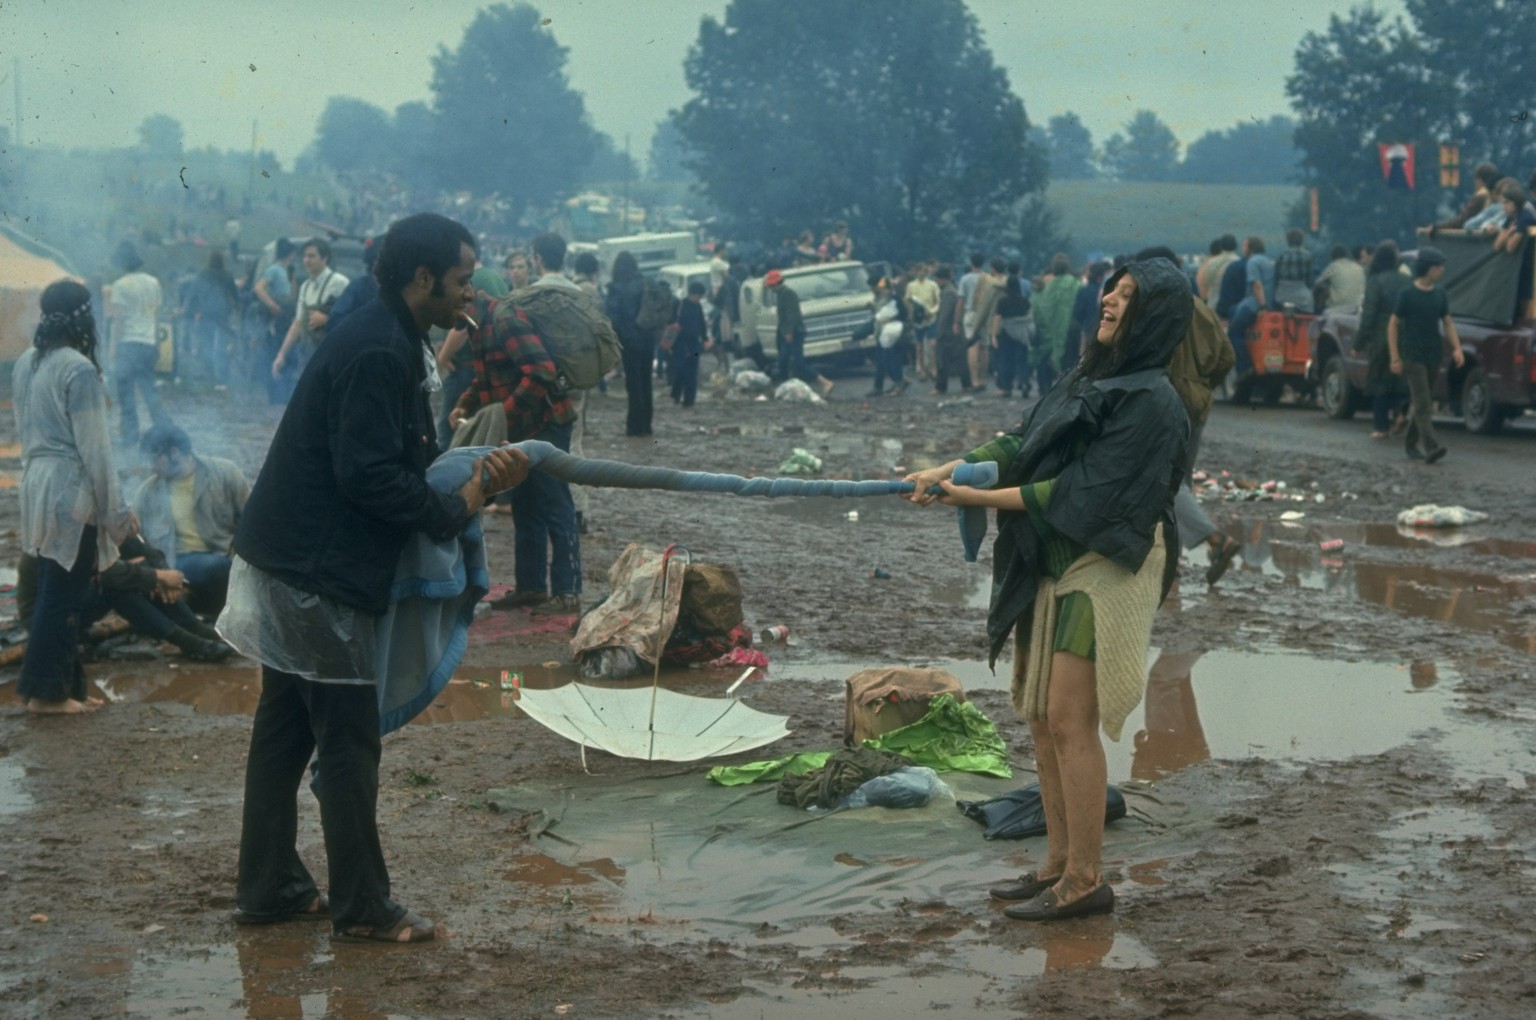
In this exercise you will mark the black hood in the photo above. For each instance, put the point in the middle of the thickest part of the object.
(1160, 313)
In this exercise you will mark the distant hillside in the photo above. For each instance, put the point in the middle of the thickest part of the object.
(1114, 216)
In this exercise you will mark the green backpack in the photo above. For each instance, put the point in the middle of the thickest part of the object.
(575, 332)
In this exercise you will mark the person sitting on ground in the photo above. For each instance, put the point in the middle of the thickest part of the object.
(145, 592)
(1341, 285)
(1084, 555)
(189, 507)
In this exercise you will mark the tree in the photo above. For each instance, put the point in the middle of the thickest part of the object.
(609, 164)
(893, 117)
(507, 120)
(1361, 82)
(354, 135)
(1146, 150)
(1480, 58)
(1071, 145)
(669, 153)
(161, 135)
(1253, 152)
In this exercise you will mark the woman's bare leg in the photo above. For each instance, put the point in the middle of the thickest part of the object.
(1048, 768)
(1072, 715)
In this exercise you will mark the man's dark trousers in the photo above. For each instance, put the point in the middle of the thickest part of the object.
(293, 719)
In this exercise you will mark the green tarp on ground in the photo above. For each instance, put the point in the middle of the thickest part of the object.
(951, 737)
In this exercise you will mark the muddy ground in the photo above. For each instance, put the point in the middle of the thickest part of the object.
(1331, 787)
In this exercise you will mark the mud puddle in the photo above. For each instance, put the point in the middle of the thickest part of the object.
(967, 975)
(1222, 705)
(268, 974)
(1499, 603)
(1278, 706)
(14, 798)
(678, 857)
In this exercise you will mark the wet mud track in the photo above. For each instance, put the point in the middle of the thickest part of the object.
(1330, 778)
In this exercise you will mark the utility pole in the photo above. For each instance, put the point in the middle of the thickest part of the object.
(626, 182)
(250, 173)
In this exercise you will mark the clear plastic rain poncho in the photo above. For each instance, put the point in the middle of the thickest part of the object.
(67, 477)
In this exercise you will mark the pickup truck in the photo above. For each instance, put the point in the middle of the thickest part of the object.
(1498, 381)
(835, 300)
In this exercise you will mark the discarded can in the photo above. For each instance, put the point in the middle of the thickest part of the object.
(1332, 545)
(776, 634)
(511, 680)
(881, 573)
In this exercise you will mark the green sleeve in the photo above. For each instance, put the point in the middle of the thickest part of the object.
(999, 451)
(1037, 496)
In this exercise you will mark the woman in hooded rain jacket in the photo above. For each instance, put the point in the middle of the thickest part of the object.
(1082, 560)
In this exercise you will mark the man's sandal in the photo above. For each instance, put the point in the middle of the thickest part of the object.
(319, 909)
(411, 927)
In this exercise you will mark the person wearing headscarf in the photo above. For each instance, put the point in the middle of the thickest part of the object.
(1085, 553)
(72, 515)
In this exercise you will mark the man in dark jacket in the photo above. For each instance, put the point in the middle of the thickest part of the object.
(791, 334)
(343, 488)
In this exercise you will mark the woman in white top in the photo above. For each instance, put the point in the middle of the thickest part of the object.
(71, 515)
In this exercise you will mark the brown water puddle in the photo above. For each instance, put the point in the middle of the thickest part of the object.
(1482, 601)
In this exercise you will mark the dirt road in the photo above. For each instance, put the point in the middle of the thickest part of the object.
(1330, 780)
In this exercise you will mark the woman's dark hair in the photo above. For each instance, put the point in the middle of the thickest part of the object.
(67, 320)
(1012, 287)
(586, 264)
(1061, 265)
(215, 262)
(425, 239)
(126, 257)
(1337, 252)
(1100, 361)
(625, 267)
(1384, 258)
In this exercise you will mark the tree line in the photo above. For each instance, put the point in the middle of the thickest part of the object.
(897, 118)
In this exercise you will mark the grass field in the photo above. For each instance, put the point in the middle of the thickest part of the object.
(1111, 216)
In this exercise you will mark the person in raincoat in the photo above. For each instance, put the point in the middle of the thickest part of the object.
(1053, 321)
(1085, 553)
(72, 516)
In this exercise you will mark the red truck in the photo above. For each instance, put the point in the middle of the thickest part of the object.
(1498, 381)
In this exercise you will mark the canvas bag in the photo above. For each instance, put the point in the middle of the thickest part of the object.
(573, 329)
(881, 700)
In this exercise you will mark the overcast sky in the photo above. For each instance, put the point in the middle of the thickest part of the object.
(91, 70)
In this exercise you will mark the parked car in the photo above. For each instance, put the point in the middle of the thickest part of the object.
(1498, 380)
(835, 300)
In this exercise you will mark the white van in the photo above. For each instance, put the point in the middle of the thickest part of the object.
(835, 300)
(651, 251)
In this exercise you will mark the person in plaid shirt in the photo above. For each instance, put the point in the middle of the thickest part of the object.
(515, 370)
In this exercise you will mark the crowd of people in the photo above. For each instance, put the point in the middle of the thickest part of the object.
(1125, 357)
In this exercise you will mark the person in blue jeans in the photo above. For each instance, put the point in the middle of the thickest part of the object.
(189, 507)
(548, 541)
(1259, 295)
(791, 338)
